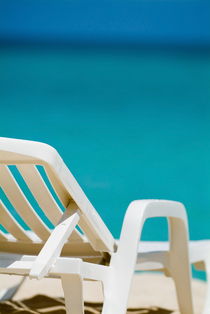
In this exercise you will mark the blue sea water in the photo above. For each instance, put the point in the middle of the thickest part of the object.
(129, 123)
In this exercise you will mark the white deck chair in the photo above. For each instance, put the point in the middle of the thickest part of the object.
(64, 252)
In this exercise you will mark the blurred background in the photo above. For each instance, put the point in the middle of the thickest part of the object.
(122, 90)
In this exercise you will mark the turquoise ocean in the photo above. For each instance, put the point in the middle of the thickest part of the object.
(129, 123)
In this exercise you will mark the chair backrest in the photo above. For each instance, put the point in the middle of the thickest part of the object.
(38, 168)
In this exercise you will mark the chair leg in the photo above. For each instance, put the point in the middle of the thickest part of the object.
(115, 299)
(117, 286)
(73, 293)
(179, 266)
(9, 293)
(182, 282)
(206, 309)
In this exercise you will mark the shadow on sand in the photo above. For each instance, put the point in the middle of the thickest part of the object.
(91, 308)
(40, 304)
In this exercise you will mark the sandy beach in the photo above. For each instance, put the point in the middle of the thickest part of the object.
(150, 293)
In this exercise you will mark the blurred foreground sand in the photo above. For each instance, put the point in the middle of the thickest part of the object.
(148, 290)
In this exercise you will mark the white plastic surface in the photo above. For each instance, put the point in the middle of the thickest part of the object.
(126, 255)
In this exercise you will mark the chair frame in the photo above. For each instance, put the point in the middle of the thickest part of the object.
(124, 256)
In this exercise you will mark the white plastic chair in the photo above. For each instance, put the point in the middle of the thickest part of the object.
(64, 252)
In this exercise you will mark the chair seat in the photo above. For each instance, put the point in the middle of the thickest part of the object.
(147, 246)
(153, 255)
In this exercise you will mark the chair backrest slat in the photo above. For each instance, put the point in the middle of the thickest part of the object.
(65, 200)
(84, 250)
(3, 236)
(40, 192)
(62, 193)
(20, 152)
(11, 225)
(76, 236)
(21, 204)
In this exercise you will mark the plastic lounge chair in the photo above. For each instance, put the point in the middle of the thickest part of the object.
(54, 246)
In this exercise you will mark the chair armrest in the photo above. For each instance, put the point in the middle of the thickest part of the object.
(136, 215)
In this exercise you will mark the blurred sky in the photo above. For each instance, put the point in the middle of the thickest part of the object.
(122, 21)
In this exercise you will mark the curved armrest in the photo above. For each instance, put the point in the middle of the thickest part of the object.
(122, 264)
(136, 215)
